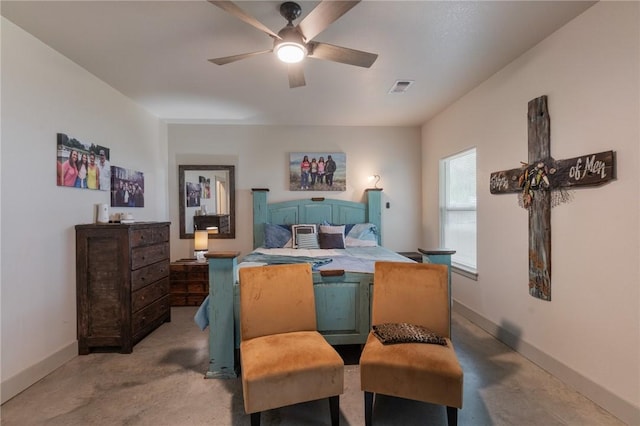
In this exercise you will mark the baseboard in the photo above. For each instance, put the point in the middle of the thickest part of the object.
(617, 406)
(27, 377)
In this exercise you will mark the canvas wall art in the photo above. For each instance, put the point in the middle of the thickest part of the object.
(127, 187)
(193, 190)
(317, 171)
(205, 187)
(82, 165)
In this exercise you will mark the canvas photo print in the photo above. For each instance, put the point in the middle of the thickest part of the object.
(205, 187)
(194, 193)
(82, 165)
(127, 187)
(317, 171)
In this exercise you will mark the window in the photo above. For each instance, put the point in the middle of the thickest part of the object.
(458, 209)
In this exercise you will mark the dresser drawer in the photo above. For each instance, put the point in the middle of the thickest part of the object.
(143, 256)
(184, 287)
(147, 236)
(148, 294)
(148, 274)
(178, 287)
(198, 287)
(181, 273)
(147, 317)
(178, 299)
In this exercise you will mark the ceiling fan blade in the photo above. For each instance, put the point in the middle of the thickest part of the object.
(324, 15)
(341, 54)
(235, 10)
(228, 59)
(296, 75)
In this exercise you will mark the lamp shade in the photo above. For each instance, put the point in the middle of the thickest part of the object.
(201, 241)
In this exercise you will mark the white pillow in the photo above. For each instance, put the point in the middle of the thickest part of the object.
(300, 229)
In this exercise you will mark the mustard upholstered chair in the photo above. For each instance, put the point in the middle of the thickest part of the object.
(284, 359)
(417, 294)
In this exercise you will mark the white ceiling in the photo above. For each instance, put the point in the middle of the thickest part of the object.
(155, 52)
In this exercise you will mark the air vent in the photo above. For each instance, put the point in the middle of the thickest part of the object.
(400, 86)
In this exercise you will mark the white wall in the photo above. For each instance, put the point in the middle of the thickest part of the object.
(44, 93)
(261, 157)
(589, 334)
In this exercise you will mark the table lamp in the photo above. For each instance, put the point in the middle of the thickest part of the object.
(201, 245)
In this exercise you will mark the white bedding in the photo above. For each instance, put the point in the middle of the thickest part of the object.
(350, 259)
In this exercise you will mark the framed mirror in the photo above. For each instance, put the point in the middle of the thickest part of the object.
(207, 200)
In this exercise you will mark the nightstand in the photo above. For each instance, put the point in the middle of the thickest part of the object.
(189, 282)
(413, 255)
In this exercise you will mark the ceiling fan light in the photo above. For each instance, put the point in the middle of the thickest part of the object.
(291, 53)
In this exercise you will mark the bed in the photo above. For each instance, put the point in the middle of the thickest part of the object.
(342, 276)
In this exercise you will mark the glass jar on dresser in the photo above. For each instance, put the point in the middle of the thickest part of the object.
(122, 283)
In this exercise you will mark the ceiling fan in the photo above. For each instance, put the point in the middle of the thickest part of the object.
(293, 43)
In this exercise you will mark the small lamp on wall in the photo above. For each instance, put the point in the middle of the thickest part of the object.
(376, 178)
(201, 245)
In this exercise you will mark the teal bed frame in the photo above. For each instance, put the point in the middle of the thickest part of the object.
(343, 299)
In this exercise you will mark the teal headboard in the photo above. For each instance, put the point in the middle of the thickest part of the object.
(314, 210)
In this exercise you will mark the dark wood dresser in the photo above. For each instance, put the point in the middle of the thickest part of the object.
(122, 284)
(189, 282)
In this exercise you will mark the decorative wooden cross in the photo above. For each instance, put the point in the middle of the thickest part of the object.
(536, 179)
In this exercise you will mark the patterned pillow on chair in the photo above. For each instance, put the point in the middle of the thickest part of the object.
(389, 333)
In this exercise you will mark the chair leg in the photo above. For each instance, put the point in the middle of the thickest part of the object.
(255, 419)
(368, 408)
(452, 416)
(334, 406)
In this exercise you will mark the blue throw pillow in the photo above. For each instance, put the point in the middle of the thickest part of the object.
(277, 236)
